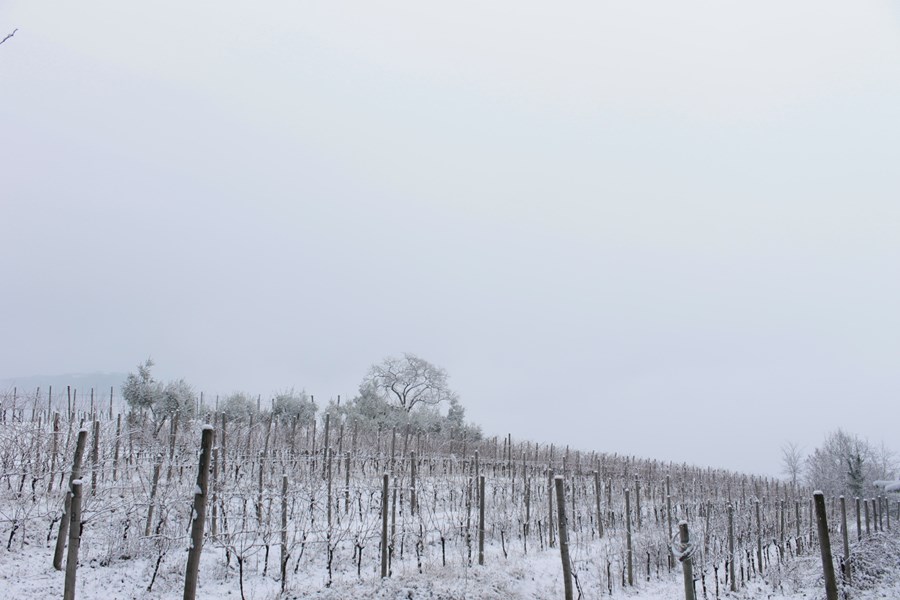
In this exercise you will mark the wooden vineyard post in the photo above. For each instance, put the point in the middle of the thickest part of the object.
(95, 456)
(550, 533)
(759, 552)
(598, 491)
(346, 482)
(198, 516)
(731, 546)
(858, 522)
(685, 558)
(284, 527)
(637, 502)
(384, 526)
(845, 540)
(67, 504)
(629, 546)
(53, 449)
(74, 541)
(154, 484)
(481, 519)
(563, 536)
(669, 511)
(825, 546)
(115, 473)
(412, 482)
(214, 517)
(866, 511)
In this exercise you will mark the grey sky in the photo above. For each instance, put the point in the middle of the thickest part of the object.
(605, 220)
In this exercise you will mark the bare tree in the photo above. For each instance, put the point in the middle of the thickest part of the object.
(844, 464)
(409, 381)
(792, 461)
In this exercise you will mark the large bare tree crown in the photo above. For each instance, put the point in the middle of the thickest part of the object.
(410, 381)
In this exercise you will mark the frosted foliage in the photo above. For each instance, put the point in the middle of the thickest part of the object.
(142, 392)
(294, 404)
(239, 405)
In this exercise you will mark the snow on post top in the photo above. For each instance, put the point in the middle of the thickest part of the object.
(818, 493)
(208, 426)
(682, 522)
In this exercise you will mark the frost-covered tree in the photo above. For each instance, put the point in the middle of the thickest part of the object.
(369, 409)
(239, 405)
(175, 399)
(178, 400)
(293, 404)
(409, 382)
(844, 464)
(140, 390)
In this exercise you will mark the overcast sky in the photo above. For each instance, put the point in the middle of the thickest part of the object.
(669, 229)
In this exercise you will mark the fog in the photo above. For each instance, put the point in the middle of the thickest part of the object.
(660, 229)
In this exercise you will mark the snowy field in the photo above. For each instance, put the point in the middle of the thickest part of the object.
(28, 574)
(283, 513)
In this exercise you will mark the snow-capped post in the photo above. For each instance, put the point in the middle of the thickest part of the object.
(858, 522)
(629, 545)
(67, 504)
(198, 515)
(384, 526)
(846, 563)
(563, 535)
(74, 541)
(481, 519)
(825, 546)
(683, 553)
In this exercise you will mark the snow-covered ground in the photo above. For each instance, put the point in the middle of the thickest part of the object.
(27, 573)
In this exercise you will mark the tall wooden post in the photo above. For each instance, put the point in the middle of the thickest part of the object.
(481, 519)
(825, 547)
(198, 518)
(74, 542)
(731, 547)
(67, 504)
(686, 564)
(563, 536)
(384, 526)
(846, 540)
(629, 546)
